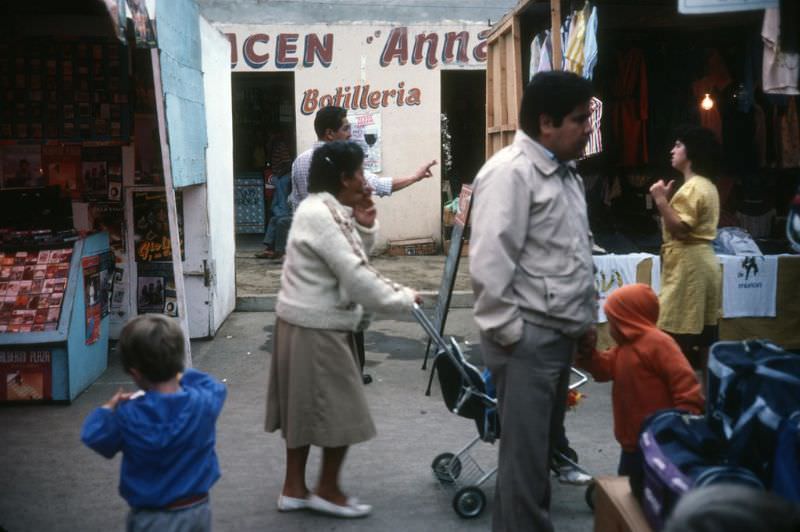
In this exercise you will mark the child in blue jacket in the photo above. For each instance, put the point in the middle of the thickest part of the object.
(166, 432)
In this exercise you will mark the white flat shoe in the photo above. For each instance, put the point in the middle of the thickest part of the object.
(291, 504)
(351, 510)
(570, 475)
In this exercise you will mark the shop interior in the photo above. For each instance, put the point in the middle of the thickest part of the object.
(263, 125)
(657, 70)
(80, 156)
(463, 131)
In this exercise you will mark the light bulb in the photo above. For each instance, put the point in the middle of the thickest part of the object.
(707, 102)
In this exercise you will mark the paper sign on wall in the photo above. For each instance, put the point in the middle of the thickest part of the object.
(365, 128)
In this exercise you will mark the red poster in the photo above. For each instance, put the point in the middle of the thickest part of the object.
(25, 375)
(62, 166)
(92, 288)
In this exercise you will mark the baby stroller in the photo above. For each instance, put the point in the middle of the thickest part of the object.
(464, 390)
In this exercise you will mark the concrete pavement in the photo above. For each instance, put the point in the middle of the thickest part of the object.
(258, 280)
(52, 482)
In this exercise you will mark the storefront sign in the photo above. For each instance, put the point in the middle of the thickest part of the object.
(697, 7)
(272, 49)
(360, 97)
(25, 375)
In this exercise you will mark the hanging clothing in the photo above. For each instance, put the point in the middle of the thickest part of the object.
(780, 68)
(760, 134)
(790, 136)
(545, 62)
(536, 55)
(590, 45)
(790, 25)
(595, 144)
(629, 107)
(713, 84)
(565, 31)
(573, 55)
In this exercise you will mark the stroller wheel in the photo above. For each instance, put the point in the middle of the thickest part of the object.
(446, 467)
(589, 494)
(469, 502)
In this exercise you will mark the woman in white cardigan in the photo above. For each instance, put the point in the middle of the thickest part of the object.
(316, 394)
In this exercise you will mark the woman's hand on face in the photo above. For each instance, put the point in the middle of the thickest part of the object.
(365, 212)
(662, 190)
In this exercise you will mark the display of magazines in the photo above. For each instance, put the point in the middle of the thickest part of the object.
(32, 287)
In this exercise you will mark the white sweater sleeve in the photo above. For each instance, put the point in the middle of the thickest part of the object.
(368, 235)
(345, 256)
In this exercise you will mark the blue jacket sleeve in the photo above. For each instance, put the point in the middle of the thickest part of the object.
(101, 432)
(207, 385)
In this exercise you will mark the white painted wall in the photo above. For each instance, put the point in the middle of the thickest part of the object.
(219, 162)
(410, 134)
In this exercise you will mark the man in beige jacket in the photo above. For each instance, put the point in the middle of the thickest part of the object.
(532, 274)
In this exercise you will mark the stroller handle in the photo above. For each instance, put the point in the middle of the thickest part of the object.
(423, 320)
(429, 328)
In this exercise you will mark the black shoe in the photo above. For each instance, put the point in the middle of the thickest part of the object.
(367, 378)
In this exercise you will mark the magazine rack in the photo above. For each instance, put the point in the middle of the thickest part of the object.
(59, 364)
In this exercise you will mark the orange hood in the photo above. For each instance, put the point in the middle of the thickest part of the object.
(634, 309)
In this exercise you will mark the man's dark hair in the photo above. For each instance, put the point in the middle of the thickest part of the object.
(329, 117)
(555, 94)
(153, 345)
(702, 149)
(330, 162)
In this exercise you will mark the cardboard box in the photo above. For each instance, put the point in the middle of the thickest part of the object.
(615, 507)
(412, 246)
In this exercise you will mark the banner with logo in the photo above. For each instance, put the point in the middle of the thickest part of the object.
(749, 286)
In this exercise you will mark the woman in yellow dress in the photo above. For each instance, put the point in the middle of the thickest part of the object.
(690, 273)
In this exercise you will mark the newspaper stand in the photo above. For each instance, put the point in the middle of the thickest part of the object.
(58, 365)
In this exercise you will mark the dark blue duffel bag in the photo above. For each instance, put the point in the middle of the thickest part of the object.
(680, 452)
(786, 467)
(753, 387)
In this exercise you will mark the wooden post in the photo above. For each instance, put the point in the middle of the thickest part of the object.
(555, 32)
(172, 210)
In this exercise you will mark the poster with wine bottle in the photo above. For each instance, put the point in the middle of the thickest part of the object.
(365, 128)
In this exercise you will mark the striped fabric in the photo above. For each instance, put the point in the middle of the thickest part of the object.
(381, 186)
(573, 58)
(590, 46)
(595, 144)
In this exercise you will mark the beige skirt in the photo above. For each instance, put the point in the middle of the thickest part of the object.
(315, 394)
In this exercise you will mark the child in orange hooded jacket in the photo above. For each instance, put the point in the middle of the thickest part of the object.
(648, 368)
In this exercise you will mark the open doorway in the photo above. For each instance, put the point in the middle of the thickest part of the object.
(463, 135)
(263, 125)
